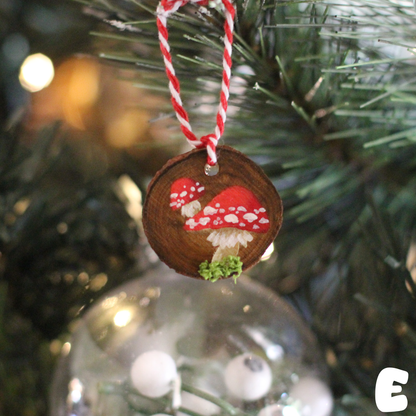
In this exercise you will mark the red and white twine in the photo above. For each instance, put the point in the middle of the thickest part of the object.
(164, 10)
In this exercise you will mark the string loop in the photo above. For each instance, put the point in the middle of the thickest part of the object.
(209, 141)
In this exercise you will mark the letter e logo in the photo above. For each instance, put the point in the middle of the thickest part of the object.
(385, 401)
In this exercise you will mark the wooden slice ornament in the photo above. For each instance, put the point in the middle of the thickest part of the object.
(210, 213)
(240, 214)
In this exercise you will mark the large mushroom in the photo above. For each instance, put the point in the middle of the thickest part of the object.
(232, 216)
(184, 194)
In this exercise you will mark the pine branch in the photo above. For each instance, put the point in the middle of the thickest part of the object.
(62, 225)
(325, 106)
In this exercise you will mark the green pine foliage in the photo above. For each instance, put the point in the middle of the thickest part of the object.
(65, 238)
(62, 225)
(322, 98)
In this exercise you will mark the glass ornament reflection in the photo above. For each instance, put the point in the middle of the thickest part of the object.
(167, 344)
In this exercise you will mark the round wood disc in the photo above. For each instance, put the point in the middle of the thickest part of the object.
(185, 249)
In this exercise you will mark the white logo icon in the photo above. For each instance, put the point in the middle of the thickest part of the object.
(385, 401)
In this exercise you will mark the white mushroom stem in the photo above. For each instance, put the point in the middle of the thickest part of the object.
(223, 252)
(190, 209)
(228, 241)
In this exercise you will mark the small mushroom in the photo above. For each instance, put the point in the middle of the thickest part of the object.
(184, 194)
(233, 216)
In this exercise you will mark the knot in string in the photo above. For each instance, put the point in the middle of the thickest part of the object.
(209, 141)
(206, 140)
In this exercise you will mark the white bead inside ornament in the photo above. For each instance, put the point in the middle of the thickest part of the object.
(311, 397)
(248, 377)
(153, 373)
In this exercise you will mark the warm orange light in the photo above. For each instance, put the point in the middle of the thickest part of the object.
(83, 76)
(127, 129)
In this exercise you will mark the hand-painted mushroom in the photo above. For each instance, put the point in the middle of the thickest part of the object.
(232, 216)
(184, 193)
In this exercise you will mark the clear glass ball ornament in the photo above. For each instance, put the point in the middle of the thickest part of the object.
(164, 344)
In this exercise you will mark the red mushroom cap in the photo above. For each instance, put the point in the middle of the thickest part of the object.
(183, 191)
(235, 207)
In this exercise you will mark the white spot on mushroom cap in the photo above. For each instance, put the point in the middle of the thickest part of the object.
(184, 193)
(192, 223)
(210, 210)
(263, 221)
(222, 210)
(204, 220)
(217, 205)
(242, 224)
(231, 208)
(231, 218)
(255, 227)
(242, 209)
(174, 196)
(250, 217)
(172, 204)
(200, 189)
(192, 188)
(262, 210)
(191, 195)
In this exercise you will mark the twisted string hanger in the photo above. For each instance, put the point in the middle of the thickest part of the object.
(164, 10)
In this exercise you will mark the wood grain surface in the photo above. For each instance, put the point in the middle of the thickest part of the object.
(184, 251)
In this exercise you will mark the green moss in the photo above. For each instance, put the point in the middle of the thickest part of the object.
(231, 265)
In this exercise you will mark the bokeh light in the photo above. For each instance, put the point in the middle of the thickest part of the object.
(36, 72)
(268, 253)
(122, 318)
